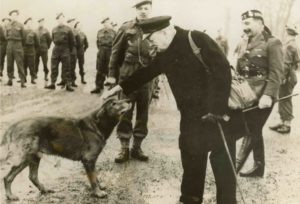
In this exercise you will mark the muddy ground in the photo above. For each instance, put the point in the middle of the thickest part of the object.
(155, 182)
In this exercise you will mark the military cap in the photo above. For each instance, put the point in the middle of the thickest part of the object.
(41, 19)
(59, 15)
(141, 2)
(291, 30)
(75, 26)
(71, 20)
(13, 11)
(104, 19)
(114, 24)
(252, 14)
(5, 19)
(154, 24)
(26, 21)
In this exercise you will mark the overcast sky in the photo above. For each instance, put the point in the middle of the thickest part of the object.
(190, 14)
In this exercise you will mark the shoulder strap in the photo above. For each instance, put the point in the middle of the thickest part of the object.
(197, 52)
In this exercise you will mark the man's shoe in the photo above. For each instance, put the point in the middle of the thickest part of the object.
(123, 156)
(96, 91)
(23, 85)
(9, 83)
(244, 152)
(275, 127)
(32, 81)
(284, 129)
(62, 83)
(258, 170)
(46, 77)
(51, 86)
(137, 153)
(69, 88)
(82, 80)
(73, 84)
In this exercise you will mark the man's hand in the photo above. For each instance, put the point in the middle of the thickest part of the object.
(209, 117)
(110, 81)
(265, 102)
(111, 92)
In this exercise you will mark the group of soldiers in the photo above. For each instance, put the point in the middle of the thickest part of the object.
(23, 44)
(124, 55)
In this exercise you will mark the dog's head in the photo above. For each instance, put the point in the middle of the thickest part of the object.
(114, 108)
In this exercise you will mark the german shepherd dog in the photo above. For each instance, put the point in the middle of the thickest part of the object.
(79, 139)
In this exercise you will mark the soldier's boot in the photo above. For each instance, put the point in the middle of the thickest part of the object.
(9, 83)
(82, 80)
(258, 170)
(123, 155)
(275, 127)
(23, 85)
(32, 80)
(69, 88)
(62, 83)
(73, 84)
(244, 152)
(51, 86)
(96, 90)
(137, 152)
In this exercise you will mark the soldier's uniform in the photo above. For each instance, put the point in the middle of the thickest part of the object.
(42, 52)
(63, 40)
(105, 37)
(31, 44)
(81, 48)
(15, 40)
(291, 63)
(223, 44)
(73, 56)
(130, 53)
(261, 63)
(3, 44)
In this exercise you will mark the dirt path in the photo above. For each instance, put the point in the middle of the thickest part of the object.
(157, 181)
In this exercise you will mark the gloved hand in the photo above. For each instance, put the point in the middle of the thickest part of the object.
(110, 81)
(265, 102)
(108, 93)
(209, 117)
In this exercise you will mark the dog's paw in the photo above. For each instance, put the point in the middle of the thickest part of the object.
(101, 185)
(12, 197)
(99, 194)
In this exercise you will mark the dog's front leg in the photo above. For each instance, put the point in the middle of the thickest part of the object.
(92, 176)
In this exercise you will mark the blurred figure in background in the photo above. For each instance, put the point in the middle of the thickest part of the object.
(42, 52)
(222, 42)
(81, 48)
(3, 43)
(105, 37)
(291, 64)
(31, 44)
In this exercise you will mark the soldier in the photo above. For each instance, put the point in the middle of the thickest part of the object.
(63, 39)
(130, 53)
(31, 44)
(202, 101)
(15, 40)
(105, 37)
(3, 43)
(81, 48)
(291, 63)
(45, 43)
(261, 63)
(73, 58)
(222, 42)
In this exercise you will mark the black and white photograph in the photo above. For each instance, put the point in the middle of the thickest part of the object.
(149, 101)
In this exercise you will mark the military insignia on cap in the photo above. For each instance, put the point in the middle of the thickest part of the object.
(252, 14)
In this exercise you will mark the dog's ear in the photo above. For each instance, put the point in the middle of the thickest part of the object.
(105, 102)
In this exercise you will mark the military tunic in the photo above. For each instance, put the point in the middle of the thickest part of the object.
(31, 44)
(131, 53)
(3, 44)
(15, 41)
(45, 43)
(291, 63)
(63, 40)
(74, 54)
(81, 48)
(105, 39)
(261, 63)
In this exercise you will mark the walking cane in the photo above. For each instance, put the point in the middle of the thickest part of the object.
(230, 160)
(278, 100)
